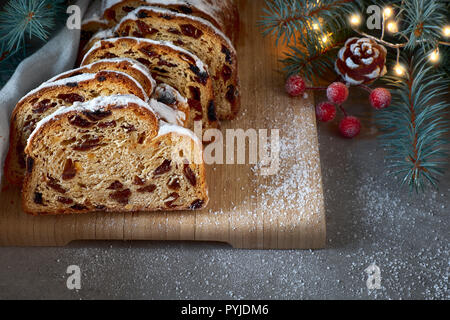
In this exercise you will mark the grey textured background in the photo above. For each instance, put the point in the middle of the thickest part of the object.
(369, 221)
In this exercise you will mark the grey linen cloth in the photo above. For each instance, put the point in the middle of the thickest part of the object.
(56, 56)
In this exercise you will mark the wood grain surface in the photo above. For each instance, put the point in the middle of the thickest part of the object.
(247, 209)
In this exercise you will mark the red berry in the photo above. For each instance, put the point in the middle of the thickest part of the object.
(325, 111)
(380, 98)
(350, 127)
(295, 86)
(337, 92)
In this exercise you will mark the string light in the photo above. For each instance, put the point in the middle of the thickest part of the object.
(434, 56)
(387, 12)
(355, 20)
(315, 26)
(447, 31)
(324, 38)
(392, 27)
(399, 70)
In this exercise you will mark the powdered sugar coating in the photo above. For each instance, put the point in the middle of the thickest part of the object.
(133, 80)
(93, 105)
(168, 114)
(103, 34)
(80, 78)
(167, 128)
(134, 64)
(201, 5)
(200, 65)
(62, 82)
(169, 118)
(133, 16)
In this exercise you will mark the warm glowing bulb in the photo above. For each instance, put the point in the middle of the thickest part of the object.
(447, 31)
(399, 70)
(315, 26)
(392, 27)
(324, 39)
(434, 56)
(355, 20)
(387, 12)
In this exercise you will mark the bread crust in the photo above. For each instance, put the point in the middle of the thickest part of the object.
(168, 64)
(223, 14)
(197, 36)
(25, 115)
(131, 67)
(44, 186)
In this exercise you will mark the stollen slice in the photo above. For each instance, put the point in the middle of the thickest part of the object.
(78, 162)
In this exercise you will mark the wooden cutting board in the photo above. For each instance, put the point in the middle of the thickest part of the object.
(247, 209)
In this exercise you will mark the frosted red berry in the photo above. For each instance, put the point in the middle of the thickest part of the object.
(337, 92)
(295, 86)
(350, 127)
(325, 111)
(380, 98)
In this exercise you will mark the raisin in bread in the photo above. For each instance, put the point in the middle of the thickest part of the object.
(77, 162)
(170, 97)
(51, 96)
(168, 64)
(223, 14)
(197, 36)
(133, 68)
(163, 93)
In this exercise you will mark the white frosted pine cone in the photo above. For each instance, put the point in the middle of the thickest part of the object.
(361, 60)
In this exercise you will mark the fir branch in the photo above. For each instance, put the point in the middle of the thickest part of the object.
(422, 22)
(313, 63)
(415, 132)
(289, 19)
(302, 25)
(22, 18)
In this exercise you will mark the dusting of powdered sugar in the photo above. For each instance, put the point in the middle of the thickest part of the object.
(169, 128)
(200, 65)
(131, 62)
(59, 83)
(370, 221)
(167, 113)
(133, 15)
(93, 105)
(204, 6)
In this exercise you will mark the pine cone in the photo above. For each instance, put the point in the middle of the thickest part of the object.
(361, 61)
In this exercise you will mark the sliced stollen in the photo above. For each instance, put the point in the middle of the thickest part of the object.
(131, 67)
(162, 92)
(135, 165)
(168, 64)
(51, 96)
(223, 14)
(197, 36)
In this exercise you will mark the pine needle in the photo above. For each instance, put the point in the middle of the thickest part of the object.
(22, 19)
(415, 129)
